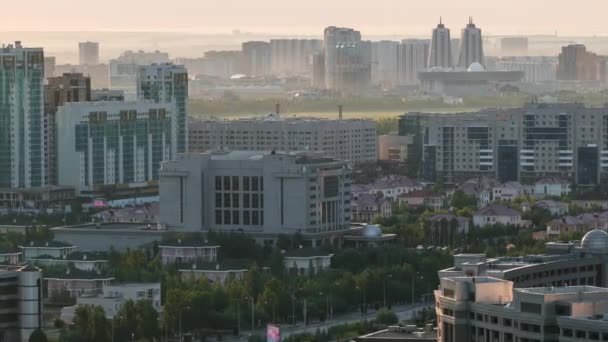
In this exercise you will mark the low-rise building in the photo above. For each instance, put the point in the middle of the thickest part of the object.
(556, 208)
(183, 252)
(390, 187)
(9, 256)
(146, 213)
(498, 214)
(509, 191)
(76, 282)
(216, 273)
(398, 333)
(103, 236)
(369, 236)
(442, 230)
(423, 198)
(393, 147)
(306, 261)
(113, 297)
(54, 249)
(36, 199)
(489, 309)
(364, 207)
(555, 187)
(20, 302)
(84, 261)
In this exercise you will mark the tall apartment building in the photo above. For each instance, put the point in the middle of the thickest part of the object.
(221, 64)
(347, 60)
(50, 64)
(264, 194)
(575, 63)
(440, 51)
(123, 70)
(518, 144)
(21, 310)
(318, 71)
(57, 92)
(113, 143)
(471, 46)
(88, 53)
(256, 58)
(293, 56)
(22, 131)
(384, 63)
(412, 58)
(168, 84)
(353, 140)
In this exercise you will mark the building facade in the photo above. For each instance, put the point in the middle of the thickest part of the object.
(575, 63)
(347, 60)
(123, 70)
(113, 143)
(384, 63)
(73, 87)
(167, 84)
(524, 144)
(440, 54)
(21, 298)
(88, 53)
(471, 46)
(352, 140)
(293, 56)
(412, 58)
(22, 121)
(256, 58)
(259, 193)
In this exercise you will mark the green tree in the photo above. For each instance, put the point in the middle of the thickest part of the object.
(386, 317)
(38, 336)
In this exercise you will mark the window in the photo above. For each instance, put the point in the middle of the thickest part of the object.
(246, 183)
(235, 217)
(254, 201)
(235, 183)
(218, 200)
(218, 217)
(218, 183)
(226, 183)
(226, 200)
(226, 216)
(254, 183)
(246, 202)
(235, 200)
(255, 219)
(246, 217)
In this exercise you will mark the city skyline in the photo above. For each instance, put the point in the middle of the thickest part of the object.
(273, 16)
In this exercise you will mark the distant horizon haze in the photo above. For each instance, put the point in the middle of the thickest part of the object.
(379, 17)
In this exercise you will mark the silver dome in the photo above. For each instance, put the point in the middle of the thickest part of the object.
(371, 231)
(595, 241)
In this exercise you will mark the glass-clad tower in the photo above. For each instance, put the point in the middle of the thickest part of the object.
(168, 84)
(22, 139)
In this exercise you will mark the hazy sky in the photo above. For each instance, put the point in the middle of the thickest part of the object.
(567, 17)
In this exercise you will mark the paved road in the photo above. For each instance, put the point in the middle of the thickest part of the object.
(403, 312)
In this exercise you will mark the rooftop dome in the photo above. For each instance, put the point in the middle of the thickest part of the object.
(595, 241)
(475, 67)
(371, 231)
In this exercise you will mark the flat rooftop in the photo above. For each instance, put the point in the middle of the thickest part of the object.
(564, 290)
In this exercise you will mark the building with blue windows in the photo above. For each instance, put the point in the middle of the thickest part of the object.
(22, 121)
(113, 143)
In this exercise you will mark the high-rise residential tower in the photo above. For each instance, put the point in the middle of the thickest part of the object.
(73, 87)
(471, 46)
(22, 134)
(384, 62)
(441, 50)
(256, 58)
(89, 53)
(347, 60)
(293, 56)
(575, 63)
(168, 84)
(412, 56)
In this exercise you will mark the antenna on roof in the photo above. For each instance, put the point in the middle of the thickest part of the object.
(340, 112)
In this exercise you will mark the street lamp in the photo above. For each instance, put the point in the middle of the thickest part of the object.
(364, 311)
(385, 277)
(180, 321)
